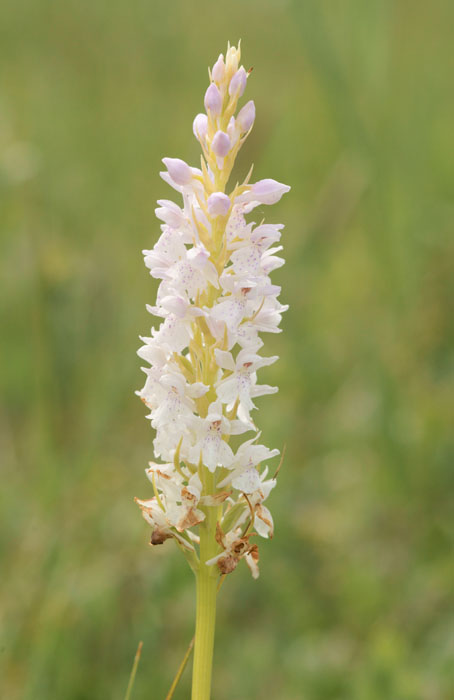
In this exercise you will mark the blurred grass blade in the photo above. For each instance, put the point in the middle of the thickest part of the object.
(169, 695)
(133, 671)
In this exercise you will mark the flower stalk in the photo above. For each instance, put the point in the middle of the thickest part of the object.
(215, 298)
(207, 585)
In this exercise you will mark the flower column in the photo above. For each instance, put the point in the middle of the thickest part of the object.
(215, 297)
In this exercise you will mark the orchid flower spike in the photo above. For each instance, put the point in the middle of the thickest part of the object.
(215, 300)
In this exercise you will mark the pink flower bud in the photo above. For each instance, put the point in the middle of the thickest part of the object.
(218, 204)
(179, 171)
(213, 100)
(246, 116)
(268, 191)
(220, 144)
(238, 83)
(218, 71)
(200, 126)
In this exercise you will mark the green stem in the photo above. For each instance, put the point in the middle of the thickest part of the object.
(207, 581)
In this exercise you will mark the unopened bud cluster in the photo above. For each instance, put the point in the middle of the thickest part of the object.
(215, 298)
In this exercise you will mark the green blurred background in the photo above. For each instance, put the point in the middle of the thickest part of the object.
(355, 111)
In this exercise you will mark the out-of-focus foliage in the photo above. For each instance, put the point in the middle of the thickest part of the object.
(355, 110)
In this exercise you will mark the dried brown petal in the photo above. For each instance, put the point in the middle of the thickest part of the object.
(159, 536)
(227, 564)
(214, 500)
(254, 552)
(186, 495)
(190, 518)
(219, 536)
